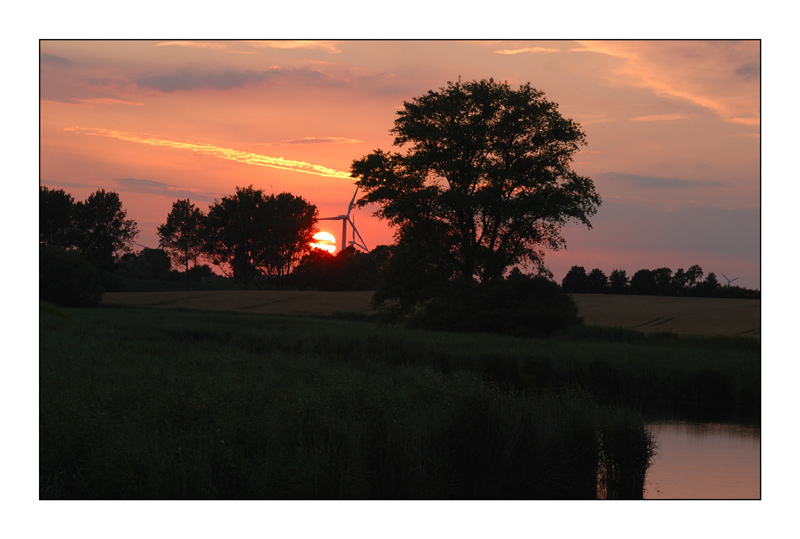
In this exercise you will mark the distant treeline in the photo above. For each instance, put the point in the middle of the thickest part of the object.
(255, 240)
(657, 282)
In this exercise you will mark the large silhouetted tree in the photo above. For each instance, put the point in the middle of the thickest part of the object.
(292, 222)
(103, 232)
(182, 235)
(257, 239)
(483, 183)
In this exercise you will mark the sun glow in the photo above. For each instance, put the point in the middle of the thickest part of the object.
(324, 241)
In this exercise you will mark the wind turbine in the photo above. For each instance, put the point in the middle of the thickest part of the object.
(345, 218)
(729, 280)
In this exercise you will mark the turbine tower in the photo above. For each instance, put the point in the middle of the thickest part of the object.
(729, 280)
(345, 218)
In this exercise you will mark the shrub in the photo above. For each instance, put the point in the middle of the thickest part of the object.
(67, 279)
(519, 305)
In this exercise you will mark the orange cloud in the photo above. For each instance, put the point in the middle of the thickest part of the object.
(307, 44)
(661, 118)
(247, 158)
(529, 50)
(721, 76)
(193, 44)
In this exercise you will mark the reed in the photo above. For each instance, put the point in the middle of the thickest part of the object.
(148, 404)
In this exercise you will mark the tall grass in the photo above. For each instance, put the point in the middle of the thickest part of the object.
(149, 404)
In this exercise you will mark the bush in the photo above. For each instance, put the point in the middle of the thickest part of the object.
(519, 305)
(67, 279)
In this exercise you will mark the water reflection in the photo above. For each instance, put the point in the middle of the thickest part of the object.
(710, 461)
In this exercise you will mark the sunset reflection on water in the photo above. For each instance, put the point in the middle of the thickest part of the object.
(709, 461)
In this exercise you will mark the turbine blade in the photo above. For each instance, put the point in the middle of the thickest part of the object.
(363, 243)
(352, 201)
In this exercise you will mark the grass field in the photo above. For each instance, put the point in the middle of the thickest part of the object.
(143, 403)
(682, 316)
(259, 394)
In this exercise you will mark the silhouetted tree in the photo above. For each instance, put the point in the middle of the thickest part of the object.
(257, 239)
(103, 233)
(56, 211)
(597, 281)
(292, 222)
(679, 282)
(382, 254)
(575, 281)
(693, 275)
(663, 280)
(182, 235)
(710, 285)
(484, 183)
(618, 281)
(643, 283)
(414, 273)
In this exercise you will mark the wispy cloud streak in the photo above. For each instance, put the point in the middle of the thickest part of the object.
(106, 101)
(247, 158)
(661, 118)
(193, 44)
(314, 140)
(527, 50)
(721, 76)
(327, 46)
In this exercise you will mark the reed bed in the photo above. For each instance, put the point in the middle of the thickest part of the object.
(157, 404)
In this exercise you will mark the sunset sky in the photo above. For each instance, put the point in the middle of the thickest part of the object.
(673, 147)
(673, 131)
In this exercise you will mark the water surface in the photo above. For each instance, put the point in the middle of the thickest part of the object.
(710, 461)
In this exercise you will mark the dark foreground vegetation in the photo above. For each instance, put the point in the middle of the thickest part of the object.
(153, 404)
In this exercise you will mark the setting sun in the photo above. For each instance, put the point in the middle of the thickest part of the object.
(324, 241)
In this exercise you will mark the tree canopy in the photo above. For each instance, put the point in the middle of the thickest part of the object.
(104, 233)
(97, 227)
(483, 183)
(257, 239)
(182, 235)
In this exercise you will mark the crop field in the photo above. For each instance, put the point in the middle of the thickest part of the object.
(255, 301)
(682, 316)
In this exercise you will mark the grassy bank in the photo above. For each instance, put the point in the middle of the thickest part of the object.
(164, 404)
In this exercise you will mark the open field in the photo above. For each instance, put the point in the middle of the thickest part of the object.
(682, 316)
(256, 301)
(160, 403)
(150, 403)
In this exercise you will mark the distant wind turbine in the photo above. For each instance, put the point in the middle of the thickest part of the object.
(345, 218)
(729, 280)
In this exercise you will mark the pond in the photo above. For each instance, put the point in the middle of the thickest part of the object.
(708, 461)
